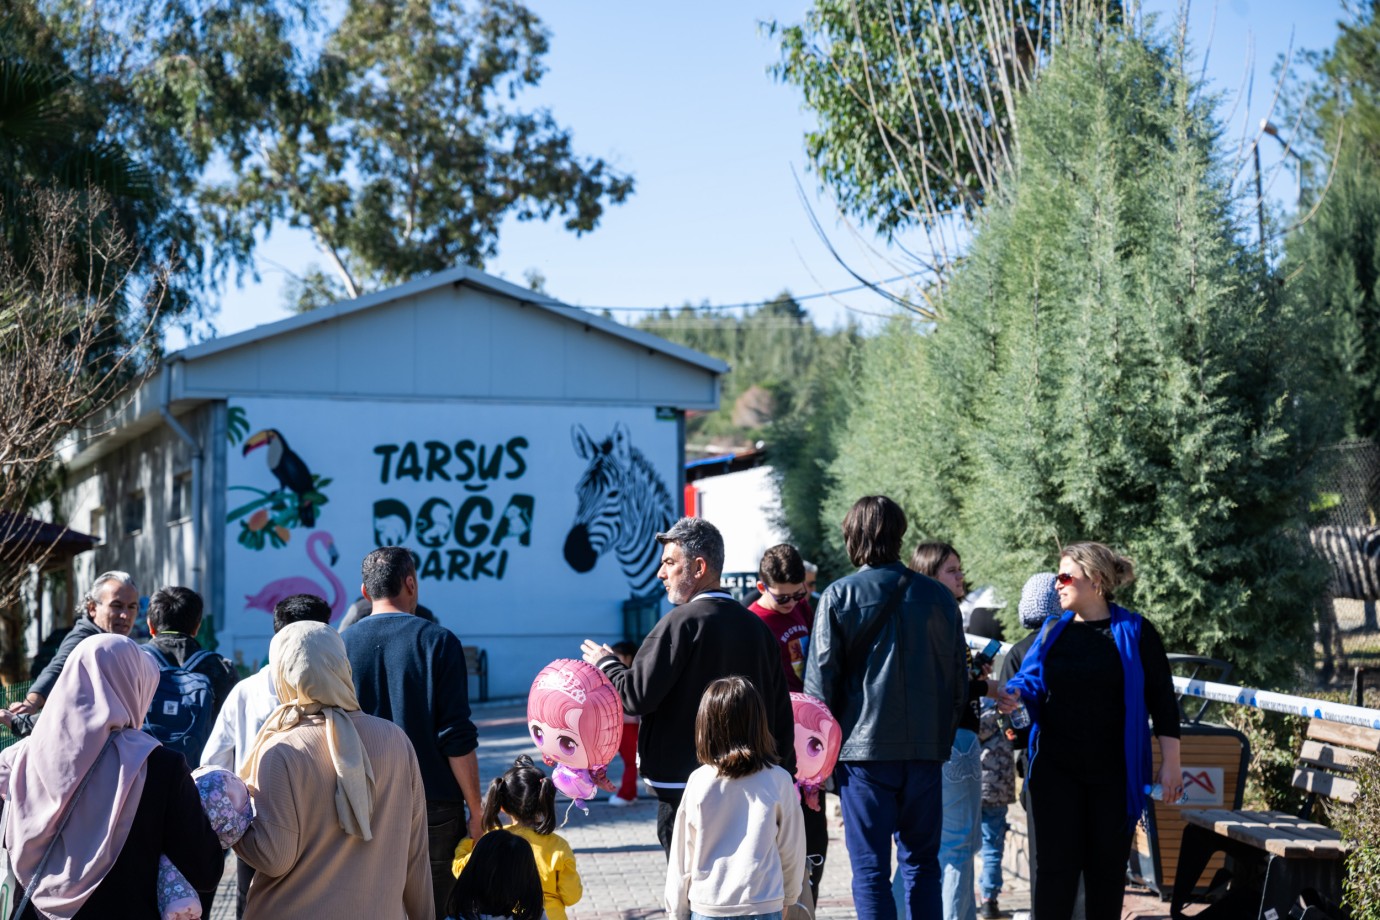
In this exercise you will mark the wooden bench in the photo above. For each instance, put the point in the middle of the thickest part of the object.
(1276, 857)
(477, 666)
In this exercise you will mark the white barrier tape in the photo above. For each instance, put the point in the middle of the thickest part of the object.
(1279, 702)
(1258, 699)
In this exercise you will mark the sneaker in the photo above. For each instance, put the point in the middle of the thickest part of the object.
(990, 910)
(619, 802)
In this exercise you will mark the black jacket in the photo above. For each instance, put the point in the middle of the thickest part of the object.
(688, 649)
(903, 699)
(84, 628)
(169, 820)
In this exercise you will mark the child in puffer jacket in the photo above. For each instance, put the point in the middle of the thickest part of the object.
(226, 800)
(998, 791)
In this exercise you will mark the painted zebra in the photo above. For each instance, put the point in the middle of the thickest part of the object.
(1353, 556)
(624, 503)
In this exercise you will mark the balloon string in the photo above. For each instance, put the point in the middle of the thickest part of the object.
(573, 803)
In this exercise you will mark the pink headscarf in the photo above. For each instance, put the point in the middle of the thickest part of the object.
(105, 688)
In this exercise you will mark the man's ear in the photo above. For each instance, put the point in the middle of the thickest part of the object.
(365, 592)
(195, 629)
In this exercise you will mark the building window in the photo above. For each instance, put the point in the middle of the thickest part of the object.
(180, 504)
(134, 513)
(97, 528)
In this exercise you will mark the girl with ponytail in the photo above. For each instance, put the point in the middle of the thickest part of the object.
(525, 795)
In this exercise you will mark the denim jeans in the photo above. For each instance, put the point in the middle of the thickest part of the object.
(774, 915)
(885, 797)
(958, 845)
(993, 847)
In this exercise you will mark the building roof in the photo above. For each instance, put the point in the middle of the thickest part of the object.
(25, 540)
(457, 335)
(460, 276)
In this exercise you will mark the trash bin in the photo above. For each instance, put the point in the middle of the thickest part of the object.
(639, 616)
(1214, 760)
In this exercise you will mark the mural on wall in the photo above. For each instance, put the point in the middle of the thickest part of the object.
(267, 597)
(268, 519)
(481, 494)
(624, 504)
(483, 534)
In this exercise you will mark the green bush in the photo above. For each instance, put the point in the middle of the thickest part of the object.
(1275, 740)
(1360, 827)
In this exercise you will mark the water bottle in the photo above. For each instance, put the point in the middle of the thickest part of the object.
(1156, 792)
(1020, 717)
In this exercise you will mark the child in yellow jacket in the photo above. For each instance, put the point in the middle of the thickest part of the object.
(525, 794)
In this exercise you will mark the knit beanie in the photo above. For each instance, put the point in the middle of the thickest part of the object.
(1039, 600)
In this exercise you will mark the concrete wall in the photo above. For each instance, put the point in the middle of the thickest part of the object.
(156, 547)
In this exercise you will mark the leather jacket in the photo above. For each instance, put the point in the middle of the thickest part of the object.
(902, 699)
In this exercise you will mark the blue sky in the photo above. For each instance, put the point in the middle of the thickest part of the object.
(679, 95)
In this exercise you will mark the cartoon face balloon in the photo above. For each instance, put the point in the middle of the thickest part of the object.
(817, 739)
(574, 715)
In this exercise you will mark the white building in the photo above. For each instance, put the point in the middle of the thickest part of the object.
(524, 449)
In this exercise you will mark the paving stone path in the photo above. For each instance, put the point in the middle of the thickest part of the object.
(622, 864)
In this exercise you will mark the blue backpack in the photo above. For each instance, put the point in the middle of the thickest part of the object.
(180, 716)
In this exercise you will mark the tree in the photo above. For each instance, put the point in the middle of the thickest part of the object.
(1333, 259)
(1113, 363)
(62, 366)
(397, 149)
(776, 351)
(914, 97)
(391, 136)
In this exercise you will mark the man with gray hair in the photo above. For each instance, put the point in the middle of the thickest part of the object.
(707, 636)
(109, 607)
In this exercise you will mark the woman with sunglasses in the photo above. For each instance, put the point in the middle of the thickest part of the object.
(1094, 682)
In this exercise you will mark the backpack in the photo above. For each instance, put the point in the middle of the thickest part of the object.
(180, 716)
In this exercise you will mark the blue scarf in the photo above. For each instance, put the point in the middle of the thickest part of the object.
(1031, 683)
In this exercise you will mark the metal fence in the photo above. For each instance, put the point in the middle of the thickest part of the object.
(9, 695)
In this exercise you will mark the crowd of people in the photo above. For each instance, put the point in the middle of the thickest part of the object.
(359, 754)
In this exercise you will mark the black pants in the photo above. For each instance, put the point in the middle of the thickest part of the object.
(1078, 828)
(816, 840)
(244, 874)
(667, 803)
(445, 828)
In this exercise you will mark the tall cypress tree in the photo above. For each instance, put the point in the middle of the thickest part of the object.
(1115, 363)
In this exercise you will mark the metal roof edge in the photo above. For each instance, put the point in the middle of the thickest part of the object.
(453, 276)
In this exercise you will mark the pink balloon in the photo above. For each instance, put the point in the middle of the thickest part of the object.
(574, 784)
(574, 716)
(817, 739)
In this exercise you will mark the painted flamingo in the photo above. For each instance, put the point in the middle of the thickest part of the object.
(271, 593)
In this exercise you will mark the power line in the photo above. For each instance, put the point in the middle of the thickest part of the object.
(738, 306)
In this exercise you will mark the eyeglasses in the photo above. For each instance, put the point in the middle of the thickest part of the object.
(789, 598)
(1064, 578)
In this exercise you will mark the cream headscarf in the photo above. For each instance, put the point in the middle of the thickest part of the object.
(312, 675)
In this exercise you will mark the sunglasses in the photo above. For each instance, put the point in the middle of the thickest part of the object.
(1064, 578)
(789, 598)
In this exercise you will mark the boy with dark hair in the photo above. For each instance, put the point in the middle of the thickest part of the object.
(174, 620)
(785, 608)
(247, 707)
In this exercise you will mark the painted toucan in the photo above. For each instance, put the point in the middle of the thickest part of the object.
(291, 471)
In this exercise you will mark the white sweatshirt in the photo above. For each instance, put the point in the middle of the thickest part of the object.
(738, 845)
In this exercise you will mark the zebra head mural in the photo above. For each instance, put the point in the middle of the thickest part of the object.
(624, 503)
